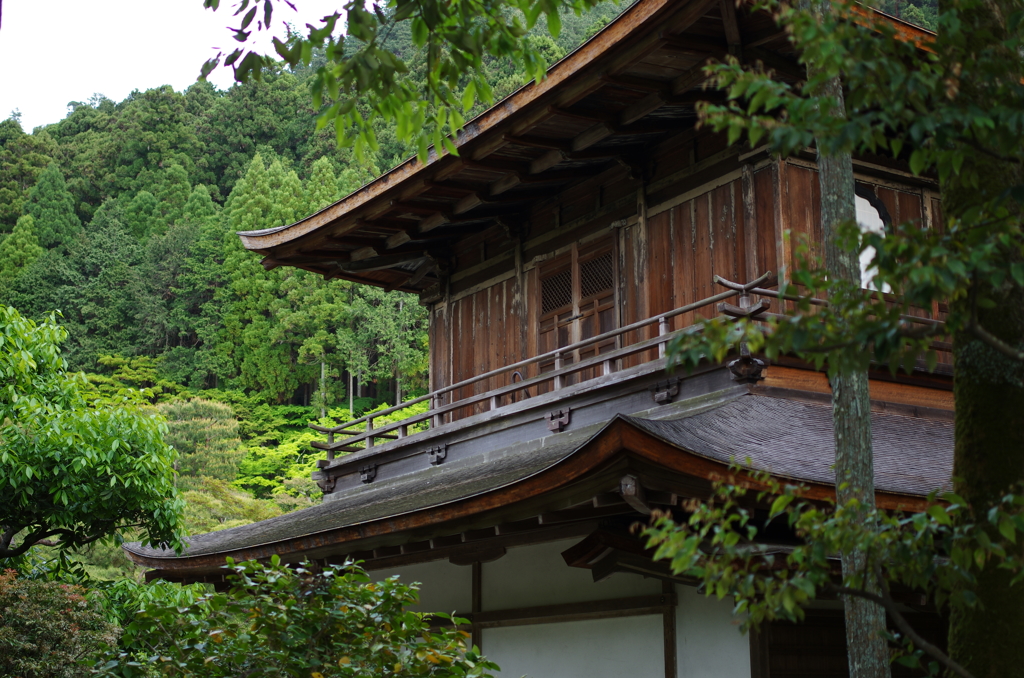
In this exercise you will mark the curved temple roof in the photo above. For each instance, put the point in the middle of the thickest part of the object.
(793, 440)
(629, 88)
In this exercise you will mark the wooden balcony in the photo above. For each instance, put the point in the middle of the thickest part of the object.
(572, 395)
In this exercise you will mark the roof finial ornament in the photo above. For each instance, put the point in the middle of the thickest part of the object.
(746, 369)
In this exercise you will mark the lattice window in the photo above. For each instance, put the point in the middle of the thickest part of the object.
(556, 291)
(596, 275)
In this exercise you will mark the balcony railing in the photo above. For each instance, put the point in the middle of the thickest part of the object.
(443, 401)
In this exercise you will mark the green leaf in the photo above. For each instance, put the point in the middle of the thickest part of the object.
(939, 514)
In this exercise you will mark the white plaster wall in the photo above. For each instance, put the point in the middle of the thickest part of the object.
(629, 647)
(537, 575)
(444, 587)
(708, 639)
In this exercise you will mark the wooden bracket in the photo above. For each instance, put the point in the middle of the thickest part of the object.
(633, 493)
(747, 369)
(435, 455)
(557, 421)
(665, 391)
(324, 482)
(368, 473)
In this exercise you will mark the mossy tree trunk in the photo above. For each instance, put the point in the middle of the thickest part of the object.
(867, 649)
(988, 640)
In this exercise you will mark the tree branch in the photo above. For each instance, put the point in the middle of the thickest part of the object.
(994, 342)
(889, 604)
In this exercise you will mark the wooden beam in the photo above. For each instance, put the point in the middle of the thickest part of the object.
(764, 37)
(633, 494)
(539, 142)
(691, 78)
(636, 84)
(732, 26)
(645, 106)
(546, 161)
(507, 182)
(467, 203)
(363, 253)
(433, 221)
(380, 263)
(420, 272)
(397, 239)
(693, 45)
(586, 117)
(594, 609)
(496, 165)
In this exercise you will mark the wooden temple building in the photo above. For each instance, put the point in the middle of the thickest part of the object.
(585, 222)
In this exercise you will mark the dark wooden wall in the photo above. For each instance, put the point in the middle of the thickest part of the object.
(701, 212)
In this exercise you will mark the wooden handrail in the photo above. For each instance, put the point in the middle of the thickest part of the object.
(639, 347)
(530, 361)
(438, 409)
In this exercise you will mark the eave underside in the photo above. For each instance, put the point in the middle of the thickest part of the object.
(628, 91)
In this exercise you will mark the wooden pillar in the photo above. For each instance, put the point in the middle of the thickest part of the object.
(752, 265)
(477, 639)
(669, 626)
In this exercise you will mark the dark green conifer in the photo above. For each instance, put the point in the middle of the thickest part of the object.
(19, 249)
(53, 209)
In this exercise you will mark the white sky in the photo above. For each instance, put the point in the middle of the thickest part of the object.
(56, 51)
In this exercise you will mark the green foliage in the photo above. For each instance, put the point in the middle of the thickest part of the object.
(205, 434)
(70, 469)
(46, 628)
(387, 335)
(53, 209)
(280, 621)
(19, 249)
(23, 157)
(360, 80)
(122, 600)
(903, 102)
(938, 553)
(212, 504)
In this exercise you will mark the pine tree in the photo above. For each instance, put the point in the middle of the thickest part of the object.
(205, 434)
(53, 209)
(199, 207)
(288, 198)
(23, 157)
(19, 249)
(322, 187)
(172, 193)
(140, 215)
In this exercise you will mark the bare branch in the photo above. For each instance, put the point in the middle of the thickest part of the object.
(989, 152)
(994, 341)
(889, 604)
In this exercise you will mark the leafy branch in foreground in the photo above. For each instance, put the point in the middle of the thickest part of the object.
(304, 621)
(74, 472)
(362, 81)
(938, 553)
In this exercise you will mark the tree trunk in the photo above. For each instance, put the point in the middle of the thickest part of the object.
(988, 386)
(867, 649)
(323, 388)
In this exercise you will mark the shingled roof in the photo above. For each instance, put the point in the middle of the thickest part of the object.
(790, 439)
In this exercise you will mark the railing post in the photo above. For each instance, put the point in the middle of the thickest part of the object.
(494, 403)
(558, 366)
(403, 430)
(436, 404)
(369, 427)
(662, 331)
(606, 367)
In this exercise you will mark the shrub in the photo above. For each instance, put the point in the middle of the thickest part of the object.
(46, 628)
(280, 621)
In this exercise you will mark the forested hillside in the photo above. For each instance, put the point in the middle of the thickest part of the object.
(122, 217)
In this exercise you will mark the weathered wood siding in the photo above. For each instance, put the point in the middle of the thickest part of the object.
(700, 214)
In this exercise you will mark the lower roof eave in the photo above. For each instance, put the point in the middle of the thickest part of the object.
(623, 445)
